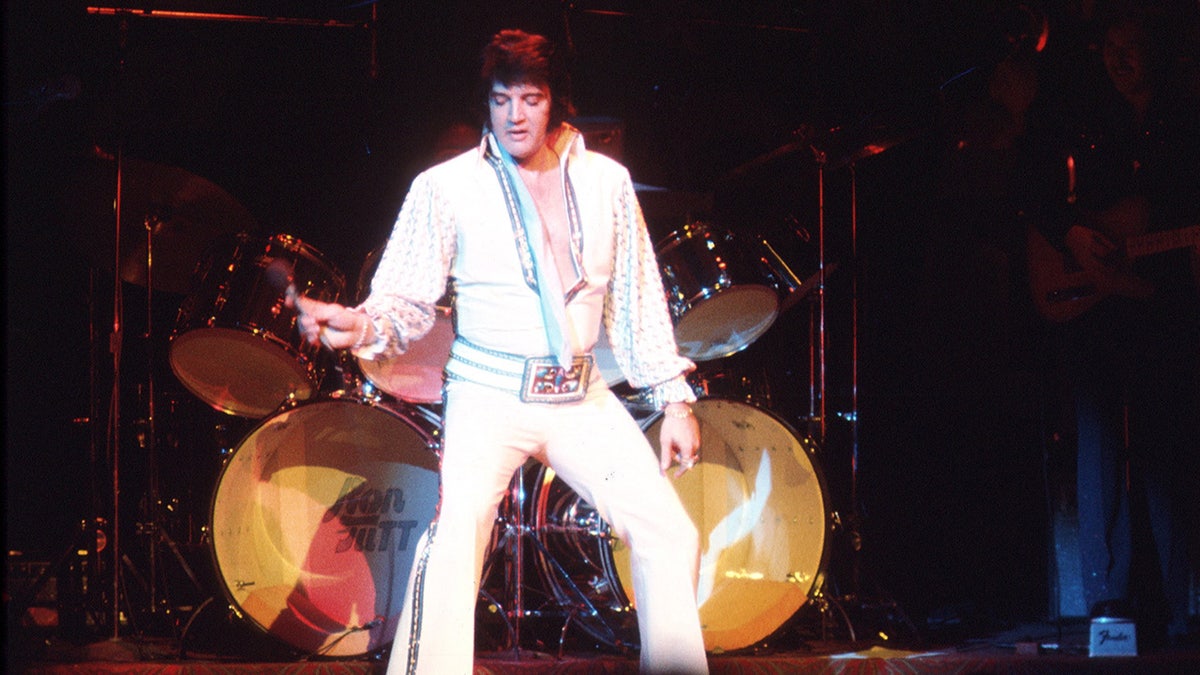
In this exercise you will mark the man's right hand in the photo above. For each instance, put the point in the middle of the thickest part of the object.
(331, 324)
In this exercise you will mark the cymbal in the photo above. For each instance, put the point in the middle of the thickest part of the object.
(840, 146)
(166, 211)
(666, 210)
(843, 146)
(801, 143)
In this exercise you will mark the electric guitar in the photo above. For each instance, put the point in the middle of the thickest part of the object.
(1062, 290)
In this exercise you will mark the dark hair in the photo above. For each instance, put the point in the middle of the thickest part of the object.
(515, 57)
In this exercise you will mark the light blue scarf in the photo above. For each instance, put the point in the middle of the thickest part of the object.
(549, 285)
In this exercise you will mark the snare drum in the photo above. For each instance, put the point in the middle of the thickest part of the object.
(235, 344)
(721, 296)
(316, 519)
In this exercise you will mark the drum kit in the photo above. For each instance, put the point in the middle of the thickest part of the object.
(316, 512)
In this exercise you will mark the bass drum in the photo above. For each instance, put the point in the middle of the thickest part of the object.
(759, 499)
(316, 518)
(235, 344)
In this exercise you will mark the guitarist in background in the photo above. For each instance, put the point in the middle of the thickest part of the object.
(1118, 159)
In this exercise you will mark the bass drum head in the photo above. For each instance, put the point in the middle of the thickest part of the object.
(759, 501)
(316, 519)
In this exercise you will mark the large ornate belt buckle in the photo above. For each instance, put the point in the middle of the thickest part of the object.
(547, 382)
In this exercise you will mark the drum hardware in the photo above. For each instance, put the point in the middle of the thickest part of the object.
(572, 532)
(173, 210)
(178, 213)
(182, 211)
(731, 385)
(509, 539)
(795, 285)
(844, 148)
(174, 511)
(153, 508)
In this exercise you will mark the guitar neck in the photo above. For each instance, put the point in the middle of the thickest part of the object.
(1062, 291)
(1158, 242)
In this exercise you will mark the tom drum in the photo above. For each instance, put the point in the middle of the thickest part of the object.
(235, 344)
(416, 375)
(721, 297)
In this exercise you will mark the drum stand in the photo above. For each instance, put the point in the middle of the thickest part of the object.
(511, 542)
(515, 532)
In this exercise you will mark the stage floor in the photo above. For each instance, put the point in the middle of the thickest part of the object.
(1033, 648)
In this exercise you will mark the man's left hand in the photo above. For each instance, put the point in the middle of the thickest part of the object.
(679, 438)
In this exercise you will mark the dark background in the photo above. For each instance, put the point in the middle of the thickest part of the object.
(954, 469)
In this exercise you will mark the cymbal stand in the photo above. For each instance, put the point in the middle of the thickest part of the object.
(116, 348)
(155, 526)
(116, 339)
(149, 221)
(851, 523)
(852, 416)
(817, 361)
(818, 368)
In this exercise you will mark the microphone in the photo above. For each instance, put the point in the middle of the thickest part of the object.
(281, 276)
